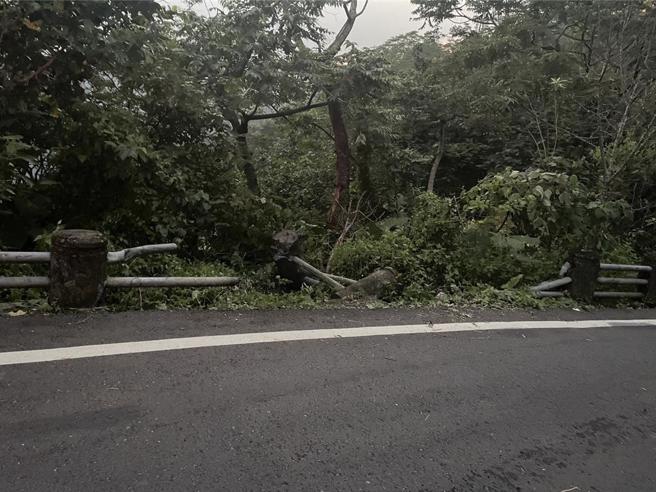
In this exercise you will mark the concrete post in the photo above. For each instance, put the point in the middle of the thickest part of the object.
(584, 273)
(650, 289)
(288, 243)
(77, 268)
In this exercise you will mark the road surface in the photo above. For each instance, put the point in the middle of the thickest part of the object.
(492, 408)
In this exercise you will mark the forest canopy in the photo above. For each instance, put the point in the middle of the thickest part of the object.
(483, 155)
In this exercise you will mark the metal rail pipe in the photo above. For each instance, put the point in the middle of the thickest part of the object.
(316, 272)
(622, 281)
(552, 284)
(33, 282)
(170, 281)
(24, 257)
(130, 253)
(112, 256)
(615, 295)
(628, 268)
(553, 293)
(339, 278)
(23, 282)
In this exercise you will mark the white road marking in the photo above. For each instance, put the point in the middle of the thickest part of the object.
(123, 348)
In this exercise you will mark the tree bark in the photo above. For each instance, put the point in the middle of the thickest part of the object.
(436, 161)
(361, 160)
(241, 131)
(343, 163)
(342, 35)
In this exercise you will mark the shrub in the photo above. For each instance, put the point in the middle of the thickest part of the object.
(360, 257)
(434, 221)
(553, 206)
(481, 256)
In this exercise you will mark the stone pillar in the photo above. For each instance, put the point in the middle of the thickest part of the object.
(584, 273)
(78, 263)
(650, 289)
(288, 243)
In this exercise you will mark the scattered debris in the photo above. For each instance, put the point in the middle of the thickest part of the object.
(287, 247)
(372, 285)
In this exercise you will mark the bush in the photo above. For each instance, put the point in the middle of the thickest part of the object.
(481, 256)
(553, 206)
(434, 221)
(646, 242)
(418, 254)
(360, 257)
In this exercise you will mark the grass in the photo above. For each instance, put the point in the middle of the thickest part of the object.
(260, 289)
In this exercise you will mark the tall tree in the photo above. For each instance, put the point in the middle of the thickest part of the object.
(336, 113)
(254, 58)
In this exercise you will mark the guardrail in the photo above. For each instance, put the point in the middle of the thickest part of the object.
(582, 277)
(112, 256)
(77, 273)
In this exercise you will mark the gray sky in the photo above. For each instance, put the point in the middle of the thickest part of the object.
(383, 19)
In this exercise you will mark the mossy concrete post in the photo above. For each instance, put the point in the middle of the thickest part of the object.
(288, 243)
(650, 289)
(584, 273)
(78, 264)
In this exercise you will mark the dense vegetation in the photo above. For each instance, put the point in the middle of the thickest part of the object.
(478, 159)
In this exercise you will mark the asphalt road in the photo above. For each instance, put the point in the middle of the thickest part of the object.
(549, 410)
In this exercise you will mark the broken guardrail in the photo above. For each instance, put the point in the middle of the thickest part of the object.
(287, 247)
(581, 277)
(78, 262)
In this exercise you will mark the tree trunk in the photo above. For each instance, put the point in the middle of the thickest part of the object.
(361, 160)
(436, 161)
(343, 163)
(241, 131)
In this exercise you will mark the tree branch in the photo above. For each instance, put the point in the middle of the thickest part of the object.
(436, 160)
(286, 112)
(351, 15)
(366, 2)
(38, 71)
(316, 125)
(314, 93)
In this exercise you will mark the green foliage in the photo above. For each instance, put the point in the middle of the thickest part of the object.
(296, 168)
(481, 256)
(486, 296)
(554, 207)
(142, 121)
(434, 221)
(427, 259)
(256, 290)
(360, 257)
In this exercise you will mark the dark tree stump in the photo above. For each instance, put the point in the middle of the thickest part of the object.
(288, 243)
(77, 268)
(584, 273)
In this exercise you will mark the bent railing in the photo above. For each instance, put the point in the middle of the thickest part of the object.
(77, 269)
(585, 278)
